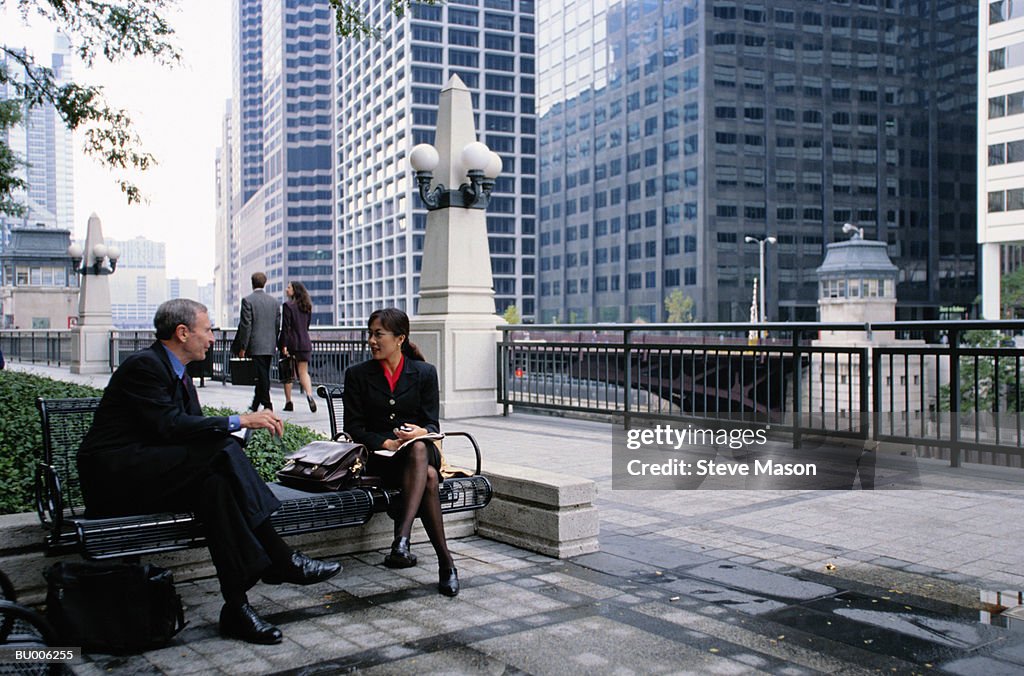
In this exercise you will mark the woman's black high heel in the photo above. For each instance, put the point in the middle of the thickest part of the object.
(448, 581)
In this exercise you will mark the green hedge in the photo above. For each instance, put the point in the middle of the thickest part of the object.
(21, 435)
(21, 438)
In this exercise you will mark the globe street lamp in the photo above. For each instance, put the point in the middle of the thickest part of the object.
(761, 242)
(104, 259)
(482, 166)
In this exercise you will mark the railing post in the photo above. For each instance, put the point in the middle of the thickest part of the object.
(503, 355)
(225, 358)
(112, 350)
(627, 398)
(954, 396)
(876, 397)
(865, 392)
(798, 372)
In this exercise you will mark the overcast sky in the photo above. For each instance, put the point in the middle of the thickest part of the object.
(177, 112)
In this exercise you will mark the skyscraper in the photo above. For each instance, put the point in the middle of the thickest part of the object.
(672, 130)
(1000, 146)
(280, 159)
(44, 143)
(387, 98)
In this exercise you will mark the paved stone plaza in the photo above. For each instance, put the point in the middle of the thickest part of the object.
(722, 582)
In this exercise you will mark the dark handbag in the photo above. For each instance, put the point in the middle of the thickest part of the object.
(113, 607)
(286, 369)
(243, 371)
(324, 466)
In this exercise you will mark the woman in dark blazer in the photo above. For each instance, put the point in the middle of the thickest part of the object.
(294, 341)
(389, 400)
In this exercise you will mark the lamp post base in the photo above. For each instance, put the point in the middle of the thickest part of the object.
(90, 349)
(464, 350)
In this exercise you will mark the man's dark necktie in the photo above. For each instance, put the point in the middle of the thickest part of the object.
(191, 397)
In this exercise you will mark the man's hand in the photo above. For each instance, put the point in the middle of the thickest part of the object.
(241, 354)
(262, 420)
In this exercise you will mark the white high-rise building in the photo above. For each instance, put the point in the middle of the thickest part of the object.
(225, 266)
(1000, 141)
(386, 102)
(140, 283)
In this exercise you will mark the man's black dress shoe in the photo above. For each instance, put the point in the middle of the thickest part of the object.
(400, 556)
(448, 581)
(243, 623)
(302, 570)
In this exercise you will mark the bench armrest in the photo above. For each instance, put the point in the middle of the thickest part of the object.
(476, 447)
(49, 499)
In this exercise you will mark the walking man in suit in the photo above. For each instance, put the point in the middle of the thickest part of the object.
(151, 449)
(258, 325)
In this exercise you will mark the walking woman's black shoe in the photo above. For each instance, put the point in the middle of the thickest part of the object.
(400, 556)
(311, 402)
(448, 581)
(288, 406)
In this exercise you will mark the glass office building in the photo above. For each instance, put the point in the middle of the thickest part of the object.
(278, 150)
(671, 130)
(298, 166)
(387, 98)
(43, 142)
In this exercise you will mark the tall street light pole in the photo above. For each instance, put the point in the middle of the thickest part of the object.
(761, 242)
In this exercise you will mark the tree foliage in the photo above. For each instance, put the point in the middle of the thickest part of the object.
(512, 315)
(97, 29)
(679, 307)
(1011, 294)
(985, 380)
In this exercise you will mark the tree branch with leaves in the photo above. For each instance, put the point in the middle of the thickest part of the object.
(112, 31)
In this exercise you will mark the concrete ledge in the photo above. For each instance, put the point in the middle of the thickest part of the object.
(545, 512)
(23, 557)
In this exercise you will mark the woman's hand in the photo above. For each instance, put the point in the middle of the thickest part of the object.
(408, 431)
(284, 351)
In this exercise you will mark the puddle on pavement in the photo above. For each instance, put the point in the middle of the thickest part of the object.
(889, 627)
(895, 625)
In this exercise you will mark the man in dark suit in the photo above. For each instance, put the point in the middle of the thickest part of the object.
(258, 324)
(151, 449)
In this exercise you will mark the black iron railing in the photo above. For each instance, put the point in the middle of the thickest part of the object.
(960, 394)
(51, 347)
(334, 349)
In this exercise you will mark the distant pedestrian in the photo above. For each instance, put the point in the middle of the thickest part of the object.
(257, 328)
(294, 340)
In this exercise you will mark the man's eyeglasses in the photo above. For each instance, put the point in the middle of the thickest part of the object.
(377, 334)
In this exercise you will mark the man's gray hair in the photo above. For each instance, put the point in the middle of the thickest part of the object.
(173, 312)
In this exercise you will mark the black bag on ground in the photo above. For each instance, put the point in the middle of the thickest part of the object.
(113, 607)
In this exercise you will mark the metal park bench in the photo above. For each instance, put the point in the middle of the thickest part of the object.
(61, 508)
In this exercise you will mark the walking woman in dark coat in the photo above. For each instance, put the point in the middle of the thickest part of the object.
(391, 399)
(294, 340)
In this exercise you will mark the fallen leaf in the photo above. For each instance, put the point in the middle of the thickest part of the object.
(713, 650)
(830, 566)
